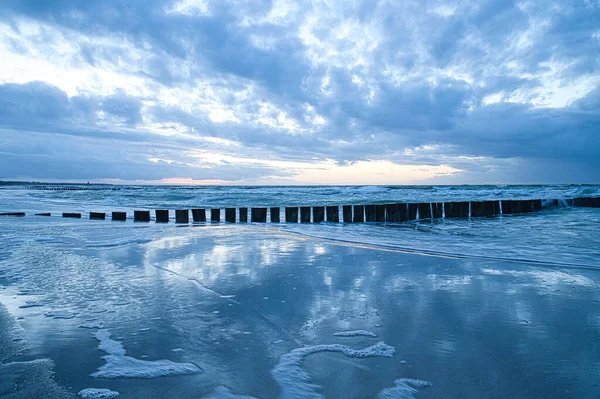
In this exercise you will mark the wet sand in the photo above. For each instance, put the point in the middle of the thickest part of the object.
(264, 313)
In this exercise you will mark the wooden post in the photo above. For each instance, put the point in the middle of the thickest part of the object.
(215, 215)
(97, 215)
(391, 213)
(199, 215)
(119, 216)
(485, 208)
(403, 212)
(359, 213)
(259, 215)
(71, 215)
(305, 214)
(525, 206)
(380, 213)
(162, 215)
(243, 215)
(12, 214)
(370, 213)
(291, 214)
(275, 215)
(333, 214)
(536, 204)
(182, 216)
(318, 214)
(141, 216)
(507, 207)
(424, 210)
(457, 210)
(44, 213)
(412, 211)
(230, 215)
(347, 213)
(438, 209)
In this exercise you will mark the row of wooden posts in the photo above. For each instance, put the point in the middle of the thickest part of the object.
(350, 213)
(398, 212)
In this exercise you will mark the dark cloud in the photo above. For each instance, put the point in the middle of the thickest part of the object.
(351, 80)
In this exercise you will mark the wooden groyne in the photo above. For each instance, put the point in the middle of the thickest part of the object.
(375, 213)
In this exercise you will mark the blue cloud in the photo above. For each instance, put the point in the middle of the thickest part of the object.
(415, 82)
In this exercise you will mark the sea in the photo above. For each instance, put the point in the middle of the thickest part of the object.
(560, 235)
(506, 306)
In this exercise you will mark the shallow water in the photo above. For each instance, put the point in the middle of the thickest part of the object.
(258, 310)
(114, 198)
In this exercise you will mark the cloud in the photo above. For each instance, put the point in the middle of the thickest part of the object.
(504, 91)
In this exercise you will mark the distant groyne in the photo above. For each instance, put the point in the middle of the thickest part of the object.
(372, 213)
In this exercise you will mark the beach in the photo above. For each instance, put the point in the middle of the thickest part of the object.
(231, 311)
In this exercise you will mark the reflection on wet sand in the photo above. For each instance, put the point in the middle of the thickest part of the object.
(240, 302)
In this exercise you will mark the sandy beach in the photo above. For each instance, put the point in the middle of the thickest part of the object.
(257, 311)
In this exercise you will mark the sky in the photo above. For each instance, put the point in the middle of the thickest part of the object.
(300, 92)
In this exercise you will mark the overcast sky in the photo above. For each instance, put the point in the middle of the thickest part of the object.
(295, 92)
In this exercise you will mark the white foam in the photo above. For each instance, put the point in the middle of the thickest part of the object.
(355, 333)
(119, 365)
(60, 315)
(295, 382)
(405, 388)
(98, 393)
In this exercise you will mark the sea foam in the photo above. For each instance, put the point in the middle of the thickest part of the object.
(295, 382)
(355, 333)
(119, 365)
(98, 393)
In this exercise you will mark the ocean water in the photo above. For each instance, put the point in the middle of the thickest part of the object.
(557, 235)
(108, 198)
(500, 307)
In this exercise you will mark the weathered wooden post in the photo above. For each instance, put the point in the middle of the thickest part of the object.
(347, 213)
(370, 213)
(97, 215)
(485, 208)
(43, 213)
(291, 214)
(199, 215)
(507, 207)
(119, 216)
(305, 214)
(391, 213)
(275, 215)
(71, 215)
(359, 213)
(182, 216)
(333, 214)
(380, 213)
(318, 214)
(438, 209)
(141, 216)
(162, 215)
(424, 210)
(215, 215)
(243, 215)
(259, 215)
(412, 211)
(536, 204)
(230, 215)
(457, 210)
(403, 211)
